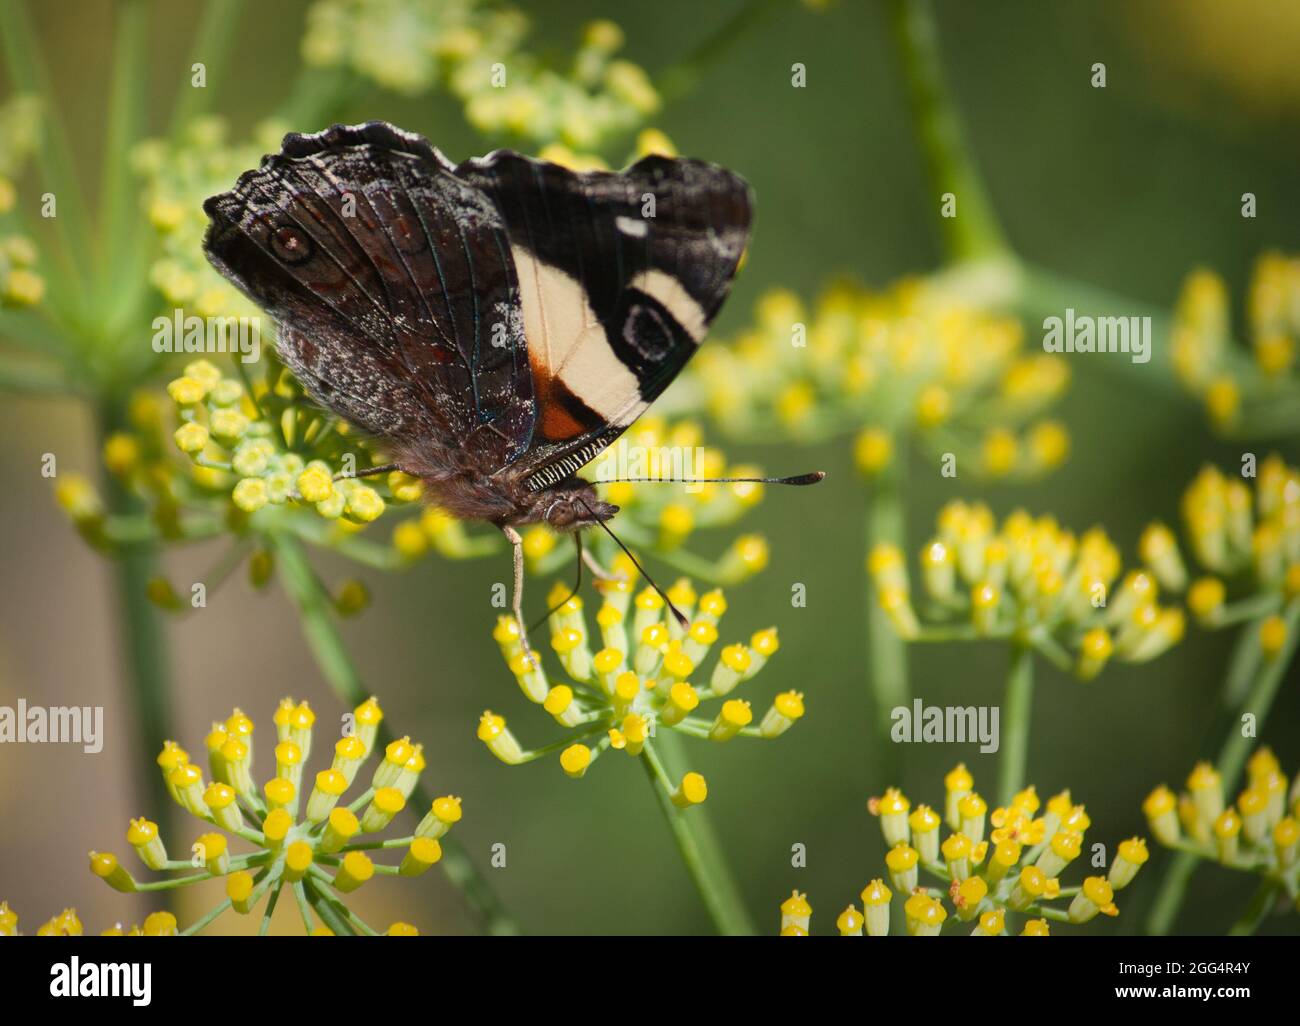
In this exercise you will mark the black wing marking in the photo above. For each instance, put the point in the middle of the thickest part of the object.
(620, 275)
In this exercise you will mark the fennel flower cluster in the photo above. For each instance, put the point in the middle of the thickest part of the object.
(635, 671)
(998, 871)
(296, 831)
(20, 283)
(1247, 538)
(475, 49)
(1243, 394)
(1030, 580)
(243, 454)
(916, 360)
(1258, 833)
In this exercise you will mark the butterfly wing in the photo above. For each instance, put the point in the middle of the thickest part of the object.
(620, 274)
(392, 284)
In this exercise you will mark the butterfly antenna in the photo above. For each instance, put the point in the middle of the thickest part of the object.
(682, 622)
(798, 479)
(576, 585)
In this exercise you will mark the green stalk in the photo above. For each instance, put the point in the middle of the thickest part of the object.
(318, 94)
(1016, 718)
(886, 652)
(1257, 911)
(1232, 757)
(334, 661)
(1243, 665)
(118, 242)
(681, 79)
(216, 34)
(144, 644)
(1259, 701)
(975, 232)
(696, 840)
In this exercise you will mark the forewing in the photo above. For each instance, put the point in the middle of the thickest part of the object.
(392, 283)
(620, 274)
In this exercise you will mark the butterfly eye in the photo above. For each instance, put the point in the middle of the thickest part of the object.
(291, 245)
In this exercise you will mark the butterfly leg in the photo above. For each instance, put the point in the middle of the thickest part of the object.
(343, 476)
(517, 602)
(368, 472)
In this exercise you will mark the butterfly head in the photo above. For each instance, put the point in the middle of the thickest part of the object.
(571, 505)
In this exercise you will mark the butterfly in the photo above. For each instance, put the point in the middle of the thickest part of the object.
(494, 324)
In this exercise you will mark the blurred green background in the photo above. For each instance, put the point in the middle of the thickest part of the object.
(1128, 187)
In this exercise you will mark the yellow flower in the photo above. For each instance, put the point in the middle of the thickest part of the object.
(314, 845)
(631, 672)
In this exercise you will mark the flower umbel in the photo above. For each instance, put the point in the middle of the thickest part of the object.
(1258, 833)
(1245, 537)
(1245, 393)
(1031, 580)
(998, 871)
(915, 361)
(476, 51)
(635, 671)
(299, 831)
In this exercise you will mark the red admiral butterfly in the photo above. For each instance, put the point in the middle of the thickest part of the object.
(495, 323)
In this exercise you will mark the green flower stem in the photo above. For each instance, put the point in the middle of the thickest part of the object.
(886, 651)
(1243, 666)
(696, 841)
(1016, 716)
(313, 604)
(172, 882)
(206, 919)
(1257, 911)
(1042, 912)
(265, 926)
(217, 31)
(1234, 613)
(318, 95)
(396, 842)
(975, 232)
(119, 245)
(320, 879)
(324, 907)
(975, 235)
(681, 80)
(1259, 700)
(144, 647)
(1232, 755)
(304, 909)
